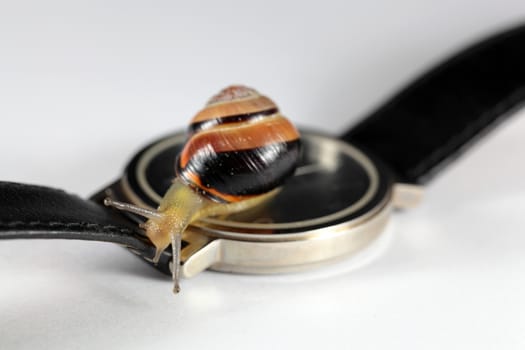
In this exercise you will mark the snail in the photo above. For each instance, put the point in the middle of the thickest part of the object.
(239, 151)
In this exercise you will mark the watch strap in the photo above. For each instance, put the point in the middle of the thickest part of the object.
(28, 211)
(436, 118)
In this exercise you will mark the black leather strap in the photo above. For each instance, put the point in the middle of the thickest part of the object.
(436, 118)
(28, 211)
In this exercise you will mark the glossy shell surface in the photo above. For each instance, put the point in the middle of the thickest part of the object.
(240, 146)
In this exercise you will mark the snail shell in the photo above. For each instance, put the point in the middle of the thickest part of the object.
(240, 146)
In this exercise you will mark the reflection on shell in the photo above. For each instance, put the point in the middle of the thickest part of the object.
(240, 146)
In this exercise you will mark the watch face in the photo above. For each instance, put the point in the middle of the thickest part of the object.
(334, 183)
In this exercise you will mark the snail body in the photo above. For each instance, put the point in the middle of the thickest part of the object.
(239, 151)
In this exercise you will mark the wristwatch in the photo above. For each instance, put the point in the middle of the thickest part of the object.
(341, 196)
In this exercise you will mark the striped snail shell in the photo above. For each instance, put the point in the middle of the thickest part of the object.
(240, 149)
(240, 146)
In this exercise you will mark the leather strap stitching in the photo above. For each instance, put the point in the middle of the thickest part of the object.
(57, 224)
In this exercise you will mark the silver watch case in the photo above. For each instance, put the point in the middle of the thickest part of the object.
(337, 203)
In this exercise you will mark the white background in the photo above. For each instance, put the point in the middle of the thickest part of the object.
(83, 85)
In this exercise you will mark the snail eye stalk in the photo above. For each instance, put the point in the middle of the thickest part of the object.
(145, 212)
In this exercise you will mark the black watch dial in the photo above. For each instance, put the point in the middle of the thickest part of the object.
(334, 183)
